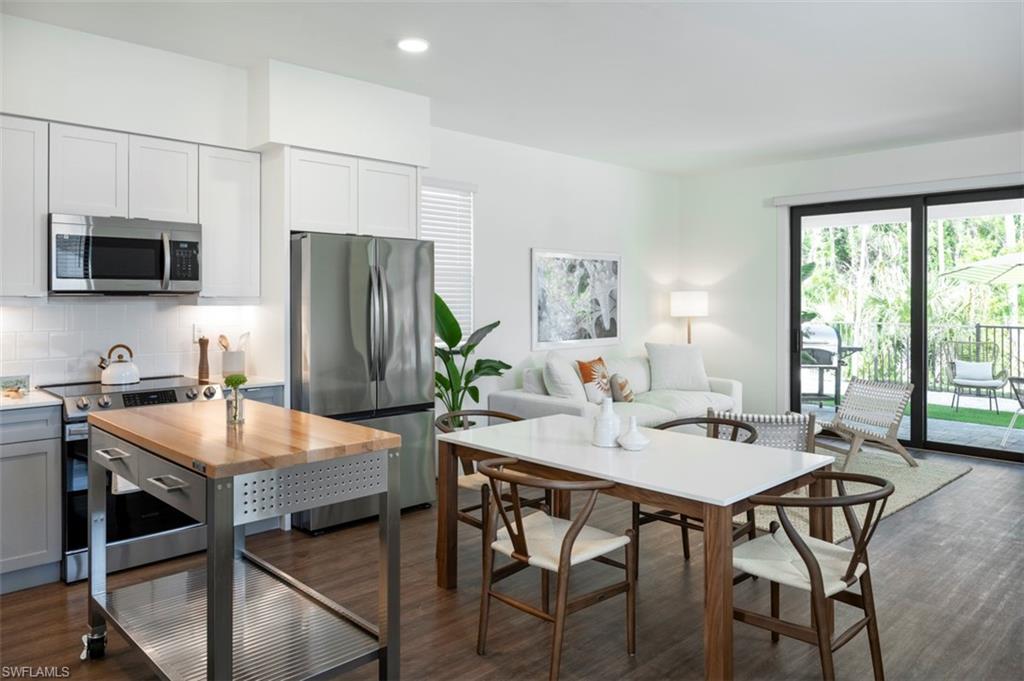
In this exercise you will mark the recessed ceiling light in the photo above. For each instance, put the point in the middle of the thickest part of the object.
(413, 45)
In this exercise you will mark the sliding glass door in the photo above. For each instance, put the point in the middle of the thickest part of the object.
(925, 289)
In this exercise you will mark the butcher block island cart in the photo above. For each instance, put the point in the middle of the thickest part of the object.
(239, 617)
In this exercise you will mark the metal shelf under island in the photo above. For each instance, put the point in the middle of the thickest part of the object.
(240, 617)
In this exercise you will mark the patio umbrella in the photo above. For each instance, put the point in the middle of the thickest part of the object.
(1002, 269)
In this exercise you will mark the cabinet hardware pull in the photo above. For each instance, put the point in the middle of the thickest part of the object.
(106, 453)
(159, 482)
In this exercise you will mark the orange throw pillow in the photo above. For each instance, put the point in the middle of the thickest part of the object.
(596, 380)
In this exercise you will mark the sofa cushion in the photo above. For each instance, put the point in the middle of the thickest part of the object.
(646, 414)
(677, 367)
(533, 381)
(686, 403)
(637, 370)
(562, 380)
(596, 380)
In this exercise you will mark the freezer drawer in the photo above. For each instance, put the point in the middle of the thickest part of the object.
(417, 467)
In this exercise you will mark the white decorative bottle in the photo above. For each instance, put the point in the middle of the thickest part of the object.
(633, 440)
(606, 426)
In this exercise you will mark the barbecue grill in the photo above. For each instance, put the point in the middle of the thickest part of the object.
(822, 349)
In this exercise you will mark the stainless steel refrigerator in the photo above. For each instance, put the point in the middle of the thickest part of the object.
(362, 346)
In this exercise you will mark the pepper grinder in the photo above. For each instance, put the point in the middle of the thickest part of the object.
(204, 360)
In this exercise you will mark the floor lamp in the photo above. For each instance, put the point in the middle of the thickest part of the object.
(689, 304)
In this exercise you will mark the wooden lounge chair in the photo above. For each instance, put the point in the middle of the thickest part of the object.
(870, 412)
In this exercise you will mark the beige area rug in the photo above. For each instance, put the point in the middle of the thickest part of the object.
(912, 485)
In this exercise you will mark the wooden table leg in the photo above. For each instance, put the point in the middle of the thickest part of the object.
(562, 502)
(820, 521)
(447, 516)
(717, 592)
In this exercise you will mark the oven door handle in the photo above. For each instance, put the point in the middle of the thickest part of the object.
(159, 482)
(166, 283)
(106, 454)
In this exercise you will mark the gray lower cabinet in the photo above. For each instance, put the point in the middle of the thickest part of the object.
(271, 394)
(30, 528)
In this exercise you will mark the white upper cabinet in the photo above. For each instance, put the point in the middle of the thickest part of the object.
(229, 210)
(322, 192)
(88, 171)
(23, 203)
(163, 182)
(387, 199)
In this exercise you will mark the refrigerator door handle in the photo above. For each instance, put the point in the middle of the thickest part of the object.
(385, 332)
(374, 326)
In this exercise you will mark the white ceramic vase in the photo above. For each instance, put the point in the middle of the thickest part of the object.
(633, 440)
(606, 426)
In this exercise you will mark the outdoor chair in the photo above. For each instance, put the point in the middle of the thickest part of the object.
(824, 569)
(870, 413)
(971, 365)
(1017, 383)
(553, 544)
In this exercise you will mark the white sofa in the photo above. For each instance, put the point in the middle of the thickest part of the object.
(650, 407)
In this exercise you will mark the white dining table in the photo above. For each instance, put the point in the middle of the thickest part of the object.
(701, 477)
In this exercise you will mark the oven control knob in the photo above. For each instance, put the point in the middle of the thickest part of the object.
(82, 403)
(209, 391)
(104, 401)
(191, 393)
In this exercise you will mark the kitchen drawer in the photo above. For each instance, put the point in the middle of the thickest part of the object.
(116, 455)
(270, 394)
(173, 485)
(25, 425)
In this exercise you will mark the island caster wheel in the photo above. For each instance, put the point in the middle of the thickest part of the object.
(93, 647)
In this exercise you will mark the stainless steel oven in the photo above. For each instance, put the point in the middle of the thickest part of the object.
(96, 255)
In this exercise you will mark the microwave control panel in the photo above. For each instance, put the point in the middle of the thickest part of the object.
(184, 261)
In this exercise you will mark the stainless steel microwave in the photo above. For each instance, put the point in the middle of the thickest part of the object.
(122, 256)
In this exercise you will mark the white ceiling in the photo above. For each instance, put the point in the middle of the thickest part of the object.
(672, 87)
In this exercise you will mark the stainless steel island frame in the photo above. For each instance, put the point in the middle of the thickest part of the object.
(240, 617)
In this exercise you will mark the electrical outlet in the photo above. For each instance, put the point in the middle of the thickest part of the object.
(197, 331)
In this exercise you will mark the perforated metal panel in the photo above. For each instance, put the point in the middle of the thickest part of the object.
(268, 494)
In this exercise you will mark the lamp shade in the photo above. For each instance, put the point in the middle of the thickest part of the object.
(689, 304)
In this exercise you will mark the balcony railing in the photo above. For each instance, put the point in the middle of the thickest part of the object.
(885, 353)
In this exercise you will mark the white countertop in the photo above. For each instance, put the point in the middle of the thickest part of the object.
(252, 382)
(718, 472)
(34, 398)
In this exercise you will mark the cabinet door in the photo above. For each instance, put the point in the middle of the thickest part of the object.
(23, 204)
(387, 199)
(29, 504)
(322, 196)
(229, 210)
(269, 394)
(88, 171)
(163, 181)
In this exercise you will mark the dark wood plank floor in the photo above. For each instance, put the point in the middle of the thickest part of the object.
(949, 575)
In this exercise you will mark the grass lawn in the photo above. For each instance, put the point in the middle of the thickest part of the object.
(969, 415)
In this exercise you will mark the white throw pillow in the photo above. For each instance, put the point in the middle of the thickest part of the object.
(562, 380)
(636, 370)
(533, 381)
(677, 367)
(973, 371)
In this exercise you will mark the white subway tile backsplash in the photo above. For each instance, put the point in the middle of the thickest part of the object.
(66, 344)
(49, 318)
(15, 318)
(33, 345)
(57, 340)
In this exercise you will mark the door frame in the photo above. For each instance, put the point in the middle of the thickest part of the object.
(917, 204)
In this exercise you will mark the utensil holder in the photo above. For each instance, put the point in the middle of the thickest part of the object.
(233, 362)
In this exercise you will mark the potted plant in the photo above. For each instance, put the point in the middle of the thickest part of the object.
(236, 408)
(456, 381)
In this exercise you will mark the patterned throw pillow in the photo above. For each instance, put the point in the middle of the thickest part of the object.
(596, 381)
(621, 390)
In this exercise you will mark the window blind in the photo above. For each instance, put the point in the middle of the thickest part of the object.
(446, 218)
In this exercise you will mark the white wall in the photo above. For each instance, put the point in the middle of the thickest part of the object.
(528, 198)
(730, 240)
(64, 75)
